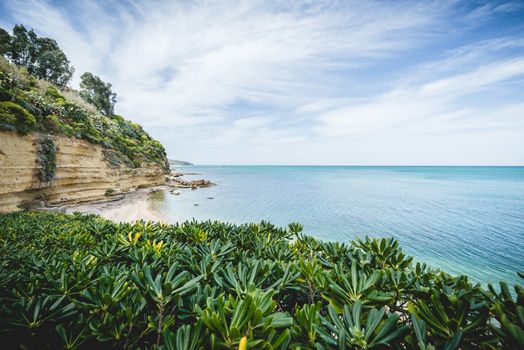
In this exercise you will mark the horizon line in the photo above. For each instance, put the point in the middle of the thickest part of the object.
(364, 165)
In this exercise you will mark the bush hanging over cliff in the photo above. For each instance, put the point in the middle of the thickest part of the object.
(46, 158)
(81, 282)
(28, 104)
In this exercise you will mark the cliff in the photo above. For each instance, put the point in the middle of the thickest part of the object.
(82, 173)
(57, 148)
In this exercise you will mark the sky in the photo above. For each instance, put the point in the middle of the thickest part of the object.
(304, 82)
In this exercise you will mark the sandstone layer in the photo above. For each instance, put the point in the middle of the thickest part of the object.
(82, 173)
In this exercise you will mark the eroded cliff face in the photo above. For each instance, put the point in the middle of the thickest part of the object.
(82, 174)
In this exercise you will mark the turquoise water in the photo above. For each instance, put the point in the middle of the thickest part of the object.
(465, 220)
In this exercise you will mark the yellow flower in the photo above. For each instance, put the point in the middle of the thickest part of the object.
(242, 345)
(135, 238)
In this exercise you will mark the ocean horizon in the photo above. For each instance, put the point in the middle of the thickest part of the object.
(462, 219)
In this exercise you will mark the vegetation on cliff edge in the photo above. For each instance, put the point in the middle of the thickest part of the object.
(34, 97)
(28, 104)
(83, 282)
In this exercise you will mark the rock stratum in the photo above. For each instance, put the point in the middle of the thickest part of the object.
(82, 173)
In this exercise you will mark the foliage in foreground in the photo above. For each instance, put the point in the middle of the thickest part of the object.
(83, 282)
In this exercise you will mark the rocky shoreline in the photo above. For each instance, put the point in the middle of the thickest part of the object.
(174, 180)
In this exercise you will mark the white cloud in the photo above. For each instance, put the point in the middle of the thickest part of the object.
(488, 10)
(478, 79)
(435, 107)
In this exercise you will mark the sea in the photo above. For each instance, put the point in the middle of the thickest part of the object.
(463, 220)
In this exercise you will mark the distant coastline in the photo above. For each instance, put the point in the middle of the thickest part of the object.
(175, 162)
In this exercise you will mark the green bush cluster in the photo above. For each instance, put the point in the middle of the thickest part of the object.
(15, 117)
(28, 104)
(83, 282)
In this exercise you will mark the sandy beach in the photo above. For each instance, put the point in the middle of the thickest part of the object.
(131, 207)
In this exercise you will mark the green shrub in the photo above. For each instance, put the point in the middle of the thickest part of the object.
(13, 114)
(53, 92)
(68, 130)
(6, 116)
(109, 191)
(82, 282)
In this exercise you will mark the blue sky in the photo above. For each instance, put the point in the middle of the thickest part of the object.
(305, 82)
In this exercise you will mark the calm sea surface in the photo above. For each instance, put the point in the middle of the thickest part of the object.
(465, 220)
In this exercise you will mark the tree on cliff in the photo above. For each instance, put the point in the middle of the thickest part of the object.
(41, 57)
(98, 93)
(5, 42)
(53, 64)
